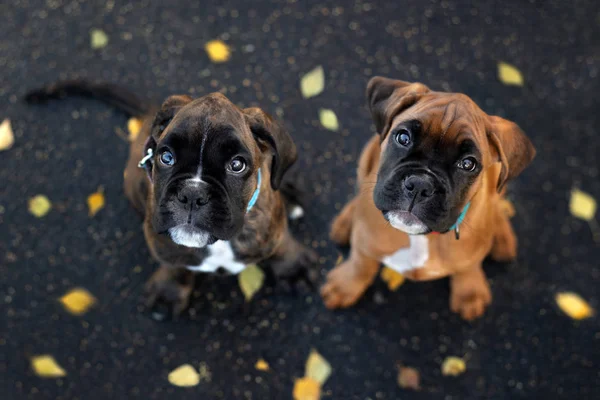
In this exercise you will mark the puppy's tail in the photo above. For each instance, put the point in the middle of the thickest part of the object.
(111, 94)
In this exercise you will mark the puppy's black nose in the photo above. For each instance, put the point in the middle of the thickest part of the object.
(419, 185)
(195, 195)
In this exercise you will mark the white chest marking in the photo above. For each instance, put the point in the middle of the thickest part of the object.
(220, 254)
(409, 258)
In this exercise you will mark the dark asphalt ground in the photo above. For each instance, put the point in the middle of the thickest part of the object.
(524, 346)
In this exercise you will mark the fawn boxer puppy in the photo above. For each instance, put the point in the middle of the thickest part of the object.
(430, 187)
(205, 175)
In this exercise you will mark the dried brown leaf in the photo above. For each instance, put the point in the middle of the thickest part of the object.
(409, 378)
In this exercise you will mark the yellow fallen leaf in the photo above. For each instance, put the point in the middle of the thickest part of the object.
(7, 138)
(307, 389)
(313, 82)
(509, 74)
(328, 119)
(508, 208)
(134, 125)
(77, 301)
(98, 39)
(582, 205)
(217, 51)
(394, 279)
(409, 378)
(573, 305)
(95, 202)
(262, 365)
(317, 367)
(453, 366)
(39, 205)
(251, 280)
(184, 376)
(45, 366)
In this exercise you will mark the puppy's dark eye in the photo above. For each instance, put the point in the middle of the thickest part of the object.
(237, 165)
(468, 164)
(167, 158)
(402, 137)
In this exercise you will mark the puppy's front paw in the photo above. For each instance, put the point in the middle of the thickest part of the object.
(470, 302)
(302, 267)
(168, 292)
(343, 287)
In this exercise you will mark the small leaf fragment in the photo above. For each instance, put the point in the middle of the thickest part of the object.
(77, 301)
(98, 39)
(317, 367)
(184, 376)
(251, 280)
(313, 82)
(7, 138)
(262, 365)
(328, 119)
(574, 305)
(217, 51)
(394, 279)
(409, 378)
(95, 202)
(45, 366)
(307, 389)
(453, 366)
(134, 125)
(39, 205)
(582, 205)
(509, 74)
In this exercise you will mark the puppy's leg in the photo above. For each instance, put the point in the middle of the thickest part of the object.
(347, 282)
(169, 288)
(341, 228)
(504, 248)
(294, 262)
(470, 293)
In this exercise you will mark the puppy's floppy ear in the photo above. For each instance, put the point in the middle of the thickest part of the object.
(515, 150)
(162, 118)
(389, 97)
(166, 113)
(266, 129)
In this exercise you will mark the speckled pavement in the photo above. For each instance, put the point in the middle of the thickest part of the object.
(524, 346)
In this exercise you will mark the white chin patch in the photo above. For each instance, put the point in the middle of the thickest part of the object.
(406, 222)
(188, 236)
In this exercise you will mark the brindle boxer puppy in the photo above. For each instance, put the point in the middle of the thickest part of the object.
(204, 174)
(429, 198)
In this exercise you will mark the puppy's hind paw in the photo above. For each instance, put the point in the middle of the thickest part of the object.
(168, 292)
(302, 268)
(341, 228)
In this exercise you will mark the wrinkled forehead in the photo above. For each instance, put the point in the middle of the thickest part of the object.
(447, 118)
(214, 109)
(211, 118)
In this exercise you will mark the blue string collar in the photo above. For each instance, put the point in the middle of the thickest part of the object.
(254, 197)
(459, 221)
